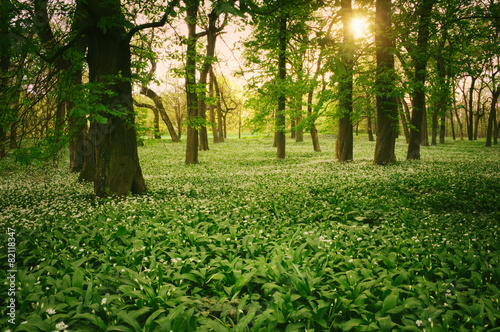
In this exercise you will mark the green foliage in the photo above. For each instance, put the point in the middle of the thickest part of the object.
(245, 242)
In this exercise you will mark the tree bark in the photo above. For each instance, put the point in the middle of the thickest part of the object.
(405, 117)
(344, 142)
(417, 136)
(280, 114)
(191, 96)
(492, 117)
(387, 112)
(313, 131)
(161, 109)
(218, 106)
(117, 171)
(211, 95)
(452, 125)
(469, 113)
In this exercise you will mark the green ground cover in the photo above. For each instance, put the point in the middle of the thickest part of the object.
(245, 242)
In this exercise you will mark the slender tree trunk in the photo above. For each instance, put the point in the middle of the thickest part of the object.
(444, 91)
(434, 126)
(218, 105)
(313, 131)
(403, 106)
(425, 128)
(492, 117)
(280, 115)
(470, 111)
(161, 110)
(156, 123)
(442, 128)
(452, 125)
(387, 112)
(211, 94)
(417, 136)
(191, 96)
(344, 142)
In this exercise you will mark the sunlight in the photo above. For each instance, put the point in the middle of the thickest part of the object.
(359, 26)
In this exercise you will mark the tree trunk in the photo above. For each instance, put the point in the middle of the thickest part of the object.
(434, 126)
(492, 117)
(211, 95)
(417, 134)
(156, 123)
(442, 128)
(403, 106)
(161, 109)
(280, 115)
(387, 112)
(344, 142)
(469, 113)
(218, 106)
(313, 131)
(117, 169)
(425, 128)
(191, 96)
(452, 125)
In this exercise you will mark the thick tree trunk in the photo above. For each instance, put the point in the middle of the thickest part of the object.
(280, 114)
(191, 96)
(117, 171)
(387, 112)
(417, 134)
(344, 142)
(5, 60)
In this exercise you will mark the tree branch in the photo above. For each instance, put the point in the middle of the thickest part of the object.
(162, 22)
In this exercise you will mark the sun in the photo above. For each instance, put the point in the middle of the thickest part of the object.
(359, 27)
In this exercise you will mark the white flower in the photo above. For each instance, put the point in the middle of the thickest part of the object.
(419, 322)
(50, 311)
(104, 300)
(61, 326)
(359, 239)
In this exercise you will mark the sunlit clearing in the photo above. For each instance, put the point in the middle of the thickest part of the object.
(358, 27)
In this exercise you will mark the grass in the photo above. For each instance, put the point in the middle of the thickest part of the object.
(246, 242)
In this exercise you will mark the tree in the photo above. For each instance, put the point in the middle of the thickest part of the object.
(344, 143)
(191, 95)
(387, 113)
(419, 58)
(113, 137)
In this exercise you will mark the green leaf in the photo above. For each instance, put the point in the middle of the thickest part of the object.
(347, 326)
(77, 280)
(389, 302)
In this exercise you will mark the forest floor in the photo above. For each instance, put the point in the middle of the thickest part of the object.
(246, 242)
